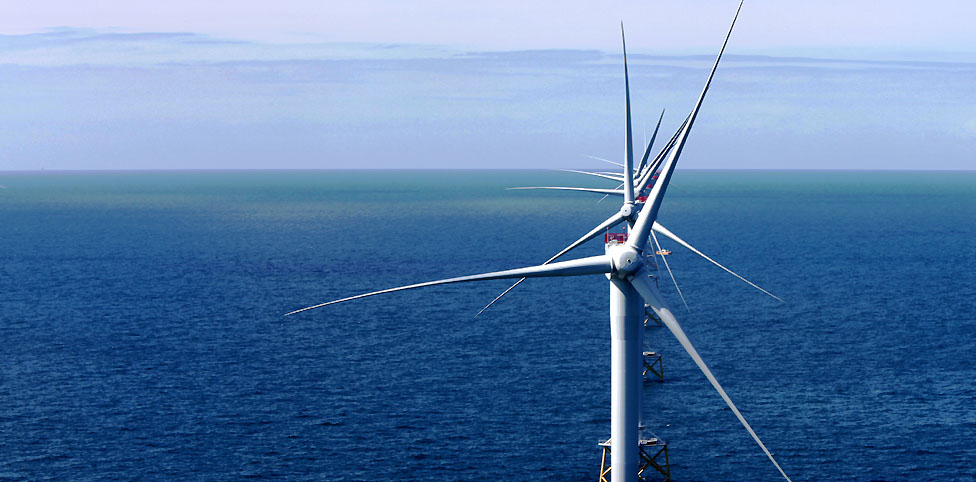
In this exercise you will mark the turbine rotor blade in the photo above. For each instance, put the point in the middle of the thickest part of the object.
(609, 223)
(653, 166)
(615, 192)
(503, 293)
(608, 161)
(629, 148)
(605, 195)
(612, 177)
(674, 237)
(648, 291)
(650, 145)
(591, 265)
(666, 265)
(648, 215)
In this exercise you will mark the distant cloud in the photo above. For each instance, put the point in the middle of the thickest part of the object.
(66, 36)
(824, 28)
(82, 98)
(75, 46)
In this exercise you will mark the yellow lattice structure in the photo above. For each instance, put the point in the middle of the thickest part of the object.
(647, 448)
(653, 365)
(651, 319)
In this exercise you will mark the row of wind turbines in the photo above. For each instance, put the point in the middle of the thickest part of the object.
(632, 273)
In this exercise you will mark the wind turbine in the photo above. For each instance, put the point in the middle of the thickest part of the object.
(643, 180)
(632, 284)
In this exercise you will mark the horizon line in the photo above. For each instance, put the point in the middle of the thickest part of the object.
(149, 170)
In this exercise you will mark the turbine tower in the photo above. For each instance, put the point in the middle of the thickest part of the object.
(632, 284)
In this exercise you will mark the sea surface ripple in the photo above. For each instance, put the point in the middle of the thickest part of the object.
(142, 336)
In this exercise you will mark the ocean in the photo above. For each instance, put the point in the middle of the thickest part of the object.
(142, 336)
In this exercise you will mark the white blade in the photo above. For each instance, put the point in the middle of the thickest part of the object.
(650, 145)
(666, 265)
(606, 160)
(651, 168)
(609, 223)
(629, 148)
(650, 294)
(675, 238)
(605, 195)
(576, 267)
(503, 293)
(615, 192)
(642, 228)
(612, 177)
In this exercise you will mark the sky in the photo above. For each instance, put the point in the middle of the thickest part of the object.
(435, 84)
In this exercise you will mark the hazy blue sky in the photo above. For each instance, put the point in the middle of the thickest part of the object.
(287, 84)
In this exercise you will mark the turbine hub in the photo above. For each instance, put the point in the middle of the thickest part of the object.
(627, 210)
(626, 259)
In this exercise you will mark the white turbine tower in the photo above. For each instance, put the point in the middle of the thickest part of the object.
(631, 286)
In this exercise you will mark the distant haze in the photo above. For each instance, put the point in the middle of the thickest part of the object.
(831, 85)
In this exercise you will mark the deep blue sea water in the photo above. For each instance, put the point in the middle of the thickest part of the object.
(142, 337)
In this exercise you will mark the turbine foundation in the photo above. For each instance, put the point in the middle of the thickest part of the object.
(653, 368)
(654, 463)
(650, 319)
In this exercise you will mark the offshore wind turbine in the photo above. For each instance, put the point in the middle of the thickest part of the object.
(642, 182)
(632, 284)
